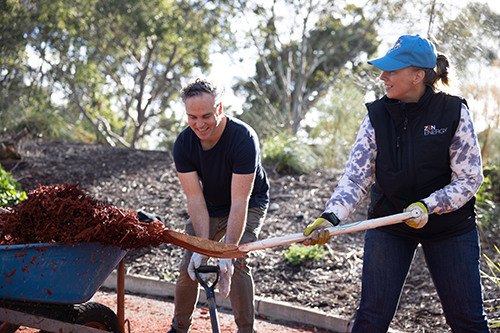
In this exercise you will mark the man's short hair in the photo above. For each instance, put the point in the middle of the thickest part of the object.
(198, 86)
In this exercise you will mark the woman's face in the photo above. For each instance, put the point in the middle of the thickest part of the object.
(404, 84)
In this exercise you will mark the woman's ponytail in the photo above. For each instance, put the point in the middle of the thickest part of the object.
(442, 75)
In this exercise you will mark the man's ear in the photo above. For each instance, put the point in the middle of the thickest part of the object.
(219, 108)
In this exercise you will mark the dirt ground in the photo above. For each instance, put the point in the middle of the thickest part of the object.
(146, 181)
(154, 314)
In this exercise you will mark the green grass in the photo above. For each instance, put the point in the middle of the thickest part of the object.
(494, 270)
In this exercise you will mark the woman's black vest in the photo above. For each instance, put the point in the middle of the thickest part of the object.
(413, 161)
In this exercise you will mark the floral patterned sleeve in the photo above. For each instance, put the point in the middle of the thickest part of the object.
(358, 174)
(466, 166)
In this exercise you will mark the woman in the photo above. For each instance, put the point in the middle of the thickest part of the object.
(418, 147)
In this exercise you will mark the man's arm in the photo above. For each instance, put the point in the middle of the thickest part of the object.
(197, 207)
(241, 189)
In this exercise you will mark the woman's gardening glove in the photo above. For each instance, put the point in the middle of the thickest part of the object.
(317, 229)
(226, 269)
(421, 220)
(196, 261)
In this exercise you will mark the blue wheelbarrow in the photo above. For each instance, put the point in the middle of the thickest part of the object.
(48, 286)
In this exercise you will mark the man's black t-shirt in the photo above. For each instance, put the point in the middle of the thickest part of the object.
(237, 151)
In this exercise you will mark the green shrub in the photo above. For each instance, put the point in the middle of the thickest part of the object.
(297, 255)
(338, 116)
(488, 200)
(288, 154)
(493, 175)
(10, 190)
(170, 277)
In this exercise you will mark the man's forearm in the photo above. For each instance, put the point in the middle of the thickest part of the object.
(199, 216)
(236, 222)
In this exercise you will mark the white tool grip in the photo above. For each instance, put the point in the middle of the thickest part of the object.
(338, 230)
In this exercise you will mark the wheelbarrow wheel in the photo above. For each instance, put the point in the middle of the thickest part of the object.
(98, 316)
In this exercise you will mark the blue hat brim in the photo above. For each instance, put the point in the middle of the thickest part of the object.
(386, 63)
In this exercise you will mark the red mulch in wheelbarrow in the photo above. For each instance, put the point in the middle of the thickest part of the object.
(66, 214)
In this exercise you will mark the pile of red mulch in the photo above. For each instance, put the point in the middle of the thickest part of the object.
(66, 214)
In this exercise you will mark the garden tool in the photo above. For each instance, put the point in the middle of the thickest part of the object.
(223, 250)
(209, 290)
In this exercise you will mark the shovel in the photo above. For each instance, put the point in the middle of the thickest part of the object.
(222, 250)
(209, 290)
(202, 246)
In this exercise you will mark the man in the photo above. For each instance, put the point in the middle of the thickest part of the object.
(218, 162)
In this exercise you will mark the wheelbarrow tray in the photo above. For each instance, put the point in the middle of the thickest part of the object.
(56, 273)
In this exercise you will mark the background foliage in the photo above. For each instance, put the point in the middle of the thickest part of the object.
(10, 190)
(113, 67)
(110, 71)
(300, 255)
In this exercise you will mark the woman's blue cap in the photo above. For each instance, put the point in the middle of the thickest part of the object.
(409, 50)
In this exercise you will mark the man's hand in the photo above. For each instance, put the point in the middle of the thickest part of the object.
(317, 229)
(421, 220)
(196, 261)
(227, 269)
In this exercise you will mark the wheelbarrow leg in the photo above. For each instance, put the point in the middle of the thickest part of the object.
(8, 328)
(121, 295)
(209, 289)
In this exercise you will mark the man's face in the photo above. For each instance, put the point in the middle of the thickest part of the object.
(204, 117)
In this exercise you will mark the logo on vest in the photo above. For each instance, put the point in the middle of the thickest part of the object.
(432, 130)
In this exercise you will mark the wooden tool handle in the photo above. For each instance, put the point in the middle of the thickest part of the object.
(338, 230)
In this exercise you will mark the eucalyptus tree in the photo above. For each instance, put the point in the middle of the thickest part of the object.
(13, 57)
(303, 48)
(472, 38)
(11, 49)
(120, 63)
